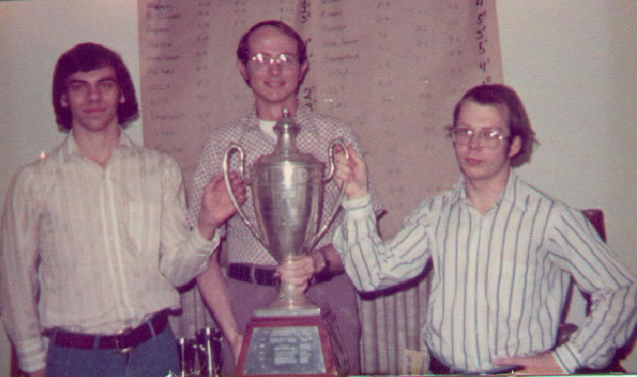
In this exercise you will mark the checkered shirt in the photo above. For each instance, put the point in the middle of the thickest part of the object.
(317, 132)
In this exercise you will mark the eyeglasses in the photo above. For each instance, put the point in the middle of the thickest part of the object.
(489, 138)
(285, 61)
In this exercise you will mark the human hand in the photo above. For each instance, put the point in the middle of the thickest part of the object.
(543, 363)
(39, 373)
(298, 271)
(352, 172)
(216, 205)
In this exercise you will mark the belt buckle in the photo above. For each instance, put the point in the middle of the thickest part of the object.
(125, 331)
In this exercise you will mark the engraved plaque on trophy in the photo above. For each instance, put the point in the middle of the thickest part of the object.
(291, 336)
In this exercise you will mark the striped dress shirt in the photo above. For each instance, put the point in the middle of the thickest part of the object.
(500, 280)
(92, 249)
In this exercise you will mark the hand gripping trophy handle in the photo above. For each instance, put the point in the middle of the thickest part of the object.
(330, 175)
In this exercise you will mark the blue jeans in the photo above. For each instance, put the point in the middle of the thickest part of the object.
(157, 357)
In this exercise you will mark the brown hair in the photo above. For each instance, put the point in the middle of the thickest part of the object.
(243, 51)
(86, 57)
(519, 123)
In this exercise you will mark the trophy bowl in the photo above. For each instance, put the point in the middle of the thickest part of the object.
(287, 190)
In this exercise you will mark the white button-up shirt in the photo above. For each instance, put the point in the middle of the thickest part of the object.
(94, 249)
(500, 279)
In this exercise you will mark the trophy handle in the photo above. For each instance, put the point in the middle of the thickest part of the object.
(226, 158)
(328, 178)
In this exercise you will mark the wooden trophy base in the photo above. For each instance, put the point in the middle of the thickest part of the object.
(286, 346)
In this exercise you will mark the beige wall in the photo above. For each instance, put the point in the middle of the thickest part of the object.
(573, 63)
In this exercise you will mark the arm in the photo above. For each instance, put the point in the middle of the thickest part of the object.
(211, 283)
(213, 288)
(612, 289)
(370, 263)
(302, 269)
(185, 252)
(19, 282)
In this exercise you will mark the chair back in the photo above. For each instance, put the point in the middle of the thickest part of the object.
(596, 217)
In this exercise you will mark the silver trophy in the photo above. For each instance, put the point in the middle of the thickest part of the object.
(287, 189)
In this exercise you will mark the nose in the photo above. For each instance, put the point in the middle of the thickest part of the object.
(474, 142)
(275, 68)
(94, 92)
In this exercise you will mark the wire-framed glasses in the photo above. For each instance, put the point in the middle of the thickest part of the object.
(490, 137)
(285, 61)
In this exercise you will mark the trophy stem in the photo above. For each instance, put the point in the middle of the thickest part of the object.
(289, 302)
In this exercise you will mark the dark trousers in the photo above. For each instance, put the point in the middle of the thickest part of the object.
(156, 357)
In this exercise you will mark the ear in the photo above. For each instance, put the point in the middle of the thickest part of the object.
(515, 147)
(64, 100)
(121, 98)
(244, 71)
(304, 68)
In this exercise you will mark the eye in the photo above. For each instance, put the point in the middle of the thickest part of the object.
(261, 58)
(288, 59)
(491, 134)
(77, 86)
(464, 131)
(108, 84)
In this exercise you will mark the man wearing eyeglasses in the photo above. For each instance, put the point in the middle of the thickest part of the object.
(503, 255)
(273, 62)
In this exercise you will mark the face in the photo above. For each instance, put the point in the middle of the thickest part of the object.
(93, 98)
(475, 160)
(273, 83)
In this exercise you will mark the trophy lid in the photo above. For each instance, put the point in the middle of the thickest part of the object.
(286, 148)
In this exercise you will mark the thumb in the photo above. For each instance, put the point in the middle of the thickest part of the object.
(353, 155)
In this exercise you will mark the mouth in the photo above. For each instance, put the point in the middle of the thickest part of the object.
(473, 161)
(275, 84)
(94, 111)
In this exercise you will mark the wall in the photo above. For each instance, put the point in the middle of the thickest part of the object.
(573, 62)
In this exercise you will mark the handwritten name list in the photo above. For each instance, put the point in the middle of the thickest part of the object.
(393, 69)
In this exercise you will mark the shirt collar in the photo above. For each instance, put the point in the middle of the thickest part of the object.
(70, 149)
(510, 194)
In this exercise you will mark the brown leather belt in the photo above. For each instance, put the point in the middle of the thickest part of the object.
(123, 342)
(259, 276)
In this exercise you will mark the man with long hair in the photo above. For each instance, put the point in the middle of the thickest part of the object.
(94, 238)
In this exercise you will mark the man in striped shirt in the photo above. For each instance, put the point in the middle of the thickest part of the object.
(94, 237)
(503, 255)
